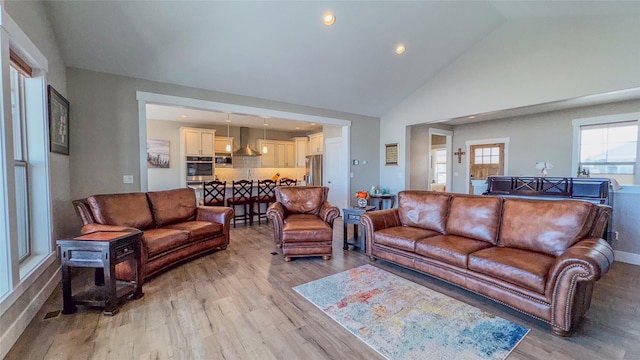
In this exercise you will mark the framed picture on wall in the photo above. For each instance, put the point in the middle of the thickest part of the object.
(158, 154)
(391, 154)
(58, 122)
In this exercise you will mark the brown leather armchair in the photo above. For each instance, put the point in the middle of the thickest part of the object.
(303, 221)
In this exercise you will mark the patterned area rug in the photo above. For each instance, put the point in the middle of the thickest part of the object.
(403, 320)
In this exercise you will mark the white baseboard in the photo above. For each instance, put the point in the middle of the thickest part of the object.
(627, 257)
(16, 329)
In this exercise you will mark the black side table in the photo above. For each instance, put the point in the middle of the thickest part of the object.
(352, 216)
(101, 250)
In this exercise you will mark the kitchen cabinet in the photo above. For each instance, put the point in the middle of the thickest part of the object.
(301, 150)
(280, 154)
(221, 144)
(198, 142)
(316, 144)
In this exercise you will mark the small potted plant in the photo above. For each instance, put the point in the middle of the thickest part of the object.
(362, 197)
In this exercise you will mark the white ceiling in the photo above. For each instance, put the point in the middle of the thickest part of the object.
(282, 51)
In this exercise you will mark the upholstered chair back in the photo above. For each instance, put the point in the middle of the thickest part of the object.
(302, 199)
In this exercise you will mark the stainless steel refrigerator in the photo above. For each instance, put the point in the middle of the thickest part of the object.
(313, 175)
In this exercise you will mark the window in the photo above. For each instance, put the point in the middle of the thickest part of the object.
(487, 155)
(21, 165)
(607, 147)
(441, 166)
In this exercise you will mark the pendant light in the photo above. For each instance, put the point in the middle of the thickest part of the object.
(264, 146)
(228, 147)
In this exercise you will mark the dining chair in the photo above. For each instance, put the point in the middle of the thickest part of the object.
(266, 195)
(288, 182)
(241, 196)
(215, 193)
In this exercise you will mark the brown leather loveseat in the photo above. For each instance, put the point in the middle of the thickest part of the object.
(174, 228)
(540, 257)
(303, 221)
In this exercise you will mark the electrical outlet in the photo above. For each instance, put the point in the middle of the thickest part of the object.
(127, 179)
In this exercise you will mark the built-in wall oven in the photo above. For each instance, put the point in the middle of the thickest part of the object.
(199, 168)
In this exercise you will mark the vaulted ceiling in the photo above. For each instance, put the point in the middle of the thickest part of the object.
(282, 51)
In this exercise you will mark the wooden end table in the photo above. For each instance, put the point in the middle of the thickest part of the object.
(352, 216)
(101, 250)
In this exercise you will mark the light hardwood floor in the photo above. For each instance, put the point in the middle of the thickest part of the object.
(238, 304)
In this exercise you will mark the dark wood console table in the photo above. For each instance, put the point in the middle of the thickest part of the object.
(101, 250)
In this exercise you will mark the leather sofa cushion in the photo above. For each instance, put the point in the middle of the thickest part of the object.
(520, 267)
(535, 225)
(301, 200)
(423, 209)
(298, 217)
(172, 206)
(450, 249)
(475, 217)
(121, 209)
(402, 237)
(161, 240)
(198, 229)
(306, 230)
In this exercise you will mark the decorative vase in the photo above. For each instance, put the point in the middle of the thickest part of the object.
(362, 203)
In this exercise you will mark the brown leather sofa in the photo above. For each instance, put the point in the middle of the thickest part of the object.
(539, 257)
(175, 229)
(303, 221)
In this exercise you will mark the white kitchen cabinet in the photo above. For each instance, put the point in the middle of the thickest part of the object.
(221, 144)
(301, 150)
(316, 144)
(280, 154)
(198, 142)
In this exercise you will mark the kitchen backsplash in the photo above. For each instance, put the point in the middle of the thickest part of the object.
(246, 162)
(257, 173)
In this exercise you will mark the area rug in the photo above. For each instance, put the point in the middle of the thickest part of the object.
(403, 320)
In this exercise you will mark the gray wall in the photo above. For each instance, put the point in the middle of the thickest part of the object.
(105, 121)
(538, 137)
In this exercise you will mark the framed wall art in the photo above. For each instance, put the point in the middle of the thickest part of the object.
(58, 122)
(391, 154)
(158, 154)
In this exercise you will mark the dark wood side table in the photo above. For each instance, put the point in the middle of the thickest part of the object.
(101, 250)
(352, 216)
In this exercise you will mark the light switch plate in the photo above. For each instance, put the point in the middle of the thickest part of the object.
(127, 179)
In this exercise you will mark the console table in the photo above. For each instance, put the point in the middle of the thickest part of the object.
(352, 216)
(101, 250)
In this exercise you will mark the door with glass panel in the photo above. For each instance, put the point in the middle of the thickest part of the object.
(485, 160)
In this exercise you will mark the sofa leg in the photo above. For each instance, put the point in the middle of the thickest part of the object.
(287, 258)
(560, 332)
(327, 257)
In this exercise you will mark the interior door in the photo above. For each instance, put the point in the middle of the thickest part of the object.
(485, 160)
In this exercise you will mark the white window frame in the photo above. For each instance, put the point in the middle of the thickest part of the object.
(601, 120)
(16, 276)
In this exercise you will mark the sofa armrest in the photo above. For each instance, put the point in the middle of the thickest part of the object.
(583, 263)
(378, 220)
(216, 214)
(328, 213)
(276, 213)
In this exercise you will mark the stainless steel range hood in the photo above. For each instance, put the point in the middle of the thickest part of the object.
(245, 150)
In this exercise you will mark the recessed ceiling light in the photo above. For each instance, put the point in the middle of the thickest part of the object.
(329, 19)
(297, 128)
(472, 117)
(183, 116)
(400, 49)
(313, 124)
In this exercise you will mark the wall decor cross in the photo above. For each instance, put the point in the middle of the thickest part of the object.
(459, 153)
